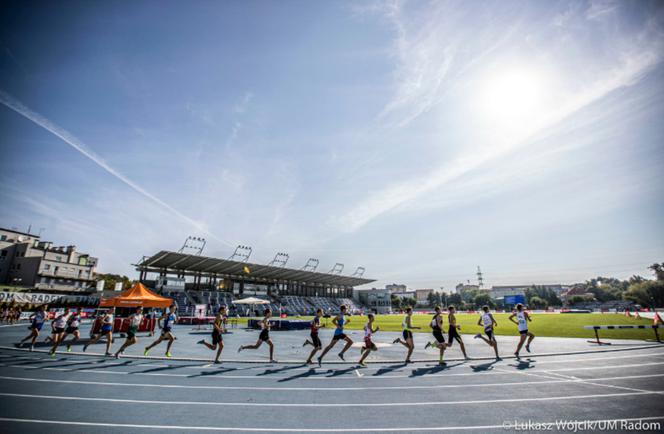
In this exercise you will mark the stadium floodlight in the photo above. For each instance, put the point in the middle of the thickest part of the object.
(241, 254)
(311, 265)
(195, 244)
(359, 272)
(337, 269)
(279, 260)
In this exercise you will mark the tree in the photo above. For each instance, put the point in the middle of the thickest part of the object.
(410, 301)
(648, 293)
(579, 299)
(537, 303)
(454, 299)
(396, 302)
(483, 299)
(433, 299)
(111, 279)
(658, 269)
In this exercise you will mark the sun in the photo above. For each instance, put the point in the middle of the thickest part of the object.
(512, 97)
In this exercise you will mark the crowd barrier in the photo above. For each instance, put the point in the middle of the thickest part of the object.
(282, 324)
(121, 325)
(620, 327)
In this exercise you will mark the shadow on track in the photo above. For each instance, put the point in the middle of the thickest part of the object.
(102, 365)
(432, 370)
(282, 369)
(483, 366)
(304, 374)
(165, 368)
(388, 369)
(524, 364)
(211, 373)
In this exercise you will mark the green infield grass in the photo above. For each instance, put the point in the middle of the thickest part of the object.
(551, 325)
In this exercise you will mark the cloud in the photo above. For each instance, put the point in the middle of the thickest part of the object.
(15, 105)
(426, 57)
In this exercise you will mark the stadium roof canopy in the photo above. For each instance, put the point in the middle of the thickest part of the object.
(172, 262)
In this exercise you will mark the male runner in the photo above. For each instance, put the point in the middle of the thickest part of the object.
(453, 331)
(135, 320)
(369, 346)
(436, 325)
(315, 340)
(263, 337)
(522, 322)
(489, 323)
(73, 325)
(59, 324)
(106, 330)
(407, 333)
(339, 321)
(37, 322)
(169, 317)
(217, 330)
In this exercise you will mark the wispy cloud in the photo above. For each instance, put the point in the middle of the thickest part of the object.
(15, 105)
(421, 78)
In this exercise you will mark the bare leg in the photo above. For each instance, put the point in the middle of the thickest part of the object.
(109, 342)
(522, 338)
(463, 349)
(328, 348)
(252, 347)
(171, 339)
(349, 343)
(410, 347)
(221, 347)
(271, 345)
(155, 343)
(364, 355)
(311, 355)
(495, 348)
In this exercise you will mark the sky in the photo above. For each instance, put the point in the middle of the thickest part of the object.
(417, 139)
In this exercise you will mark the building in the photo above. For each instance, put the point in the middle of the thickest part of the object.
(466, 291)
(394, 287)
(422, 296)
(499, 292)
(173, 271)
(27, 261)
(377, 300)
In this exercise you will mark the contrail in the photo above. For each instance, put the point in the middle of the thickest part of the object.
(64, 135)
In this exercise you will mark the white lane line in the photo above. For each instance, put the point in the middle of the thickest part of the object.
(611, 386)
(331, 377)
(246, 429)
(551, 380)
(327, 404)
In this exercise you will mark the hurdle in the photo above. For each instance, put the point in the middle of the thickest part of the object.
(616, 327)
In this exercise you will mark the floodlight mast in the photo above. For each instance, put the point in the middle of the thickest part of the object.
(241, 254)
(337, 269)
(359, 272)
(197, 244)
(311, 265)
(280, 260)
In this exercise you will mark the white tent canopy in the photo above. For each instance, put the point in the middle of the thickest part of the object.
(251, 300)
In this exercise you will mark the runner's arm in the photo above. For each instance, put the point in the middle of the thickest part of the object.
(511, 318)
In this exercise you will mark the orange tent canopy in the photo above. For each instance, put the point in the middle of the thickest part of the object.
(137, 295)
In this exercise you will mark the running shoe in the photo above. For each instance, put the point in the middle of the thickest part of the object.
(479, 335)
(18, 345)
(517, 355)
(442, 363)
(528, 348)
(51, 353)
(362, 349)
(498, 359)
(320, 361)
(305, 343)
(168, 354)
(362, 364)
(85, 347)
(117, 355)
(69, 348)
(396, 341)
(341, 356)
(146, 352)
(201, 342)
(239, 349)
(107, 354)
(427, 345)
(32, 347)
(216, 362)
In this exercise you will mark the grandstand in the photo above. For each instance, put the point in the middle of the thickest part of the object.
(195, 279)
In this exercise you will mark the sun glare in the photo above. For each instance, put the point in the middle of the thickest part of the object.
(513, 97)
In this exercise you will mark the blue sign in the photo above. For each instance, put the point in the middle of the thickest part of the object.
(515, 299)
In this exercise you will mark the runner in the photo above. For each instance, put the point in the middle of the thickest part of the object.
(369, 346)
(453, 331)
(315, 340)
(522, 321)
(106, 330)
(59, 324)
(135, 320)
(436, 325)
(217, 330)
(73, 324)
(489, 323)
(407, 333)
(263, 337)
(339, 321)
(38, 318)
(169, 319)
